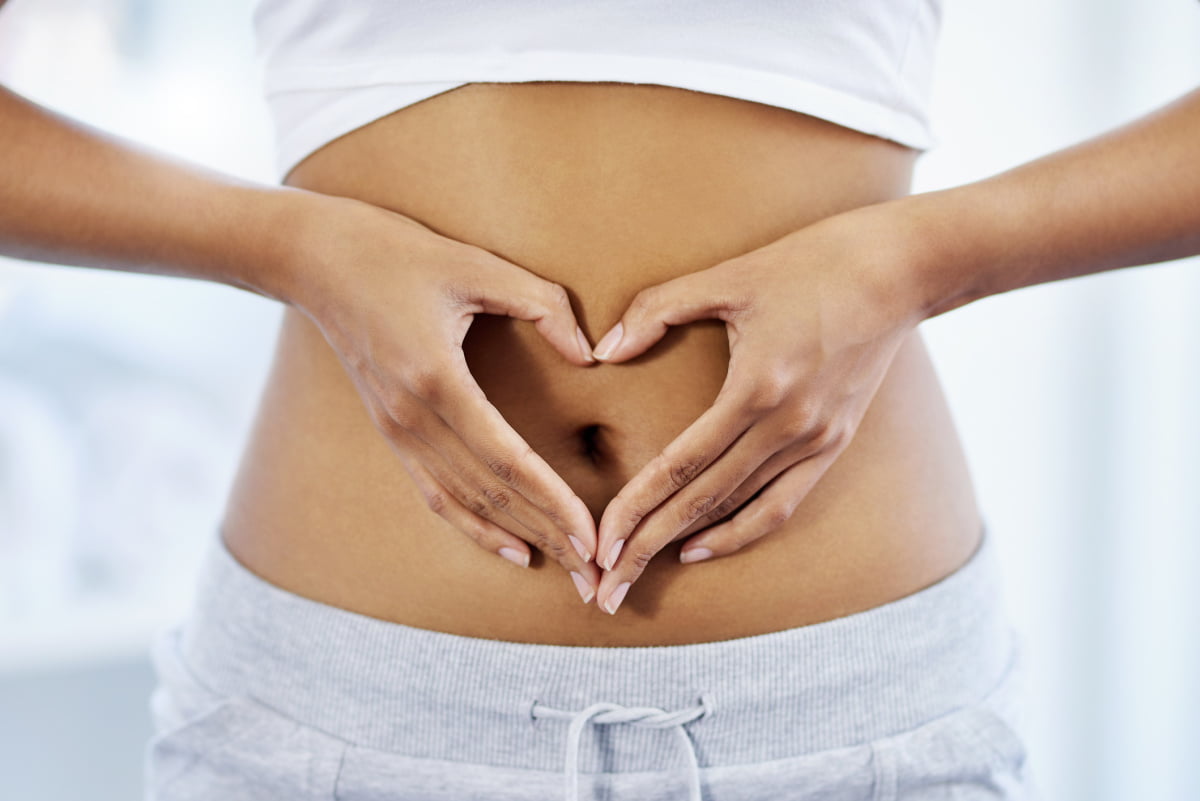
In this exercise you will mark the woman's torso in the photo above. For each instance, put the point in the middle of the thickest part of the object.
(604, 188)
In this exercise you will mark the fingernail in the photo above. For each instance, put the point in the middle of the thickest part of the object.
(609, 343)
(584, 347)
(694, 555)
(615, 599)
(515, 556)
(585, 590)
(579, 547)
(613, 553)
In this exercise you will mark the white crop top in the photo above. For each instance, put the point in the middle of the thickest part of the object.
(330, 66)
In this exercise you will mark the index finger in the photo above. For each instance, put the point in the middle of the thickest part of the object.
(464, 407)
(684, 458)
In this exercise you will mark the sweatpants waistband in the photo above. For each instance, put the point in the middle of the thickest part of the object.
(435, 695)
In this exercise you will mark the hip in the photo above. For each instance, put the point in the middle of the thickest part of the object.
(263, 693)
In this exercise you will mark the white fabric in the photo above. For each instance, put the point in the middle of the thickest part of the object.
(648, 717)
(330, 66)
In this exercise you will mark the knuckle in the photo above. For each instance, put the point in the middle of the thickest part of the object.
(776, 516)
(640, 558)
(724, 508)
(760, 400)
(558, 296)
(635, 516)
(772, 387)
(557, 518)
(699, 506)
(738, 539)
(537, 538)
(478, 533)
(436, 501)
(504, 468)
(554, 546)
(744, 531)
(497, 496)
(682, 472)
(480, 505)
(802, 414)
(485, 535)
(540, 539)
(627, 513)
(835, 436)
(644, 300)
(823, 434)
(819, 434)
(800, 425)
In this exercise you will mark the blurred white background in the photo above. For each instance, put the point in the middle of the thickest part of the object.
(124, 399)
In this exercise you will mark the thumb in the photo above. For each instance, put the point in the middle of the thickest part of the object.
(509, 290)
(695, 296)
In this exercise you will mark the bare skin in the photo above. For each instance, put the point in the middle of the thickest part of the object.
(605, 189)
(72, 195)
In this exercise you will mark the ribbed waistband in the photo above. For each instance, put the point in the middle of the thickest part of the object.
(429, 694)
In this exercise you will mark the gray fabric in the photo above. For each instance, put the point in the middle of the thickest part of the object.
(267, 695)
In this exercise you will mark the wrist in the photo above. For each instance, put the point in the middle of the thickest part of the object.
(945, 242)
(907, 266)
(276, 262)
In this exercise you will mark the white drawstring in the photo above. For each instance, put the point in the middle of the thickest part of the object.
(645, 716)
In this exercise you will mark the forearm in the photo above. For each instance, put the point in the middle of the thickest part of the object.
(73, 195)
(1128, 197)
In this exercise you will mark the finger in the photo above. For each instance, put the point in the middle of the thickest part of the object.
(414, 448)
(451, 395)
(698, 446)
(696, 296)
(735, 501)
(771, 509)
(479, 428)
(709, 493)
(651, 537)
(485, 533)
(587, 582)
(504, 288)
(479, 489)
(631, 555)
(794, 438)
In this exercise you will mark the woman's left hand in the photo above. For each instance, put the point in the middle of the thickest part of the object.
(814, 320)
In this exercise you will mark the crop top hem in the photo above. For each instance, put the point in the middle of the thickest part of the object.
(316, 104)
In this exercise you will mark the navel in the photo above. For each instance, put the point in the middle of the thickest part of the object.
(591, 444)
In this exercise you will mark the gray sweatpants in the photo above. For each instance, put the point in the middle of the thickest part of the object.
(267, 695)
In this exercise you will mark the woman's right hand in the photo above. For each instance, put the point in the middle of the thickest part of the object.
(395, 300)
(392, 297)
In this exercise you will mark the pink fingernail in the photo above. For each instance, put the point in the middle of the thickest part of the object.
(609, 343)
(585, 590)
(515, 556)
(694, 555)
(583, 554)
(615, 599)
(613, 553)
(583, 345)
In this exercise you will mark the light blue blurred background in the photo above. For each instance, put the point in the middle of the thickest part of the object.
(124, 399)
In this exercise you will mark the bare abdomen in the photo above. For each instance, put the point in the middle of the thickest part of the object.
(605, 189)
